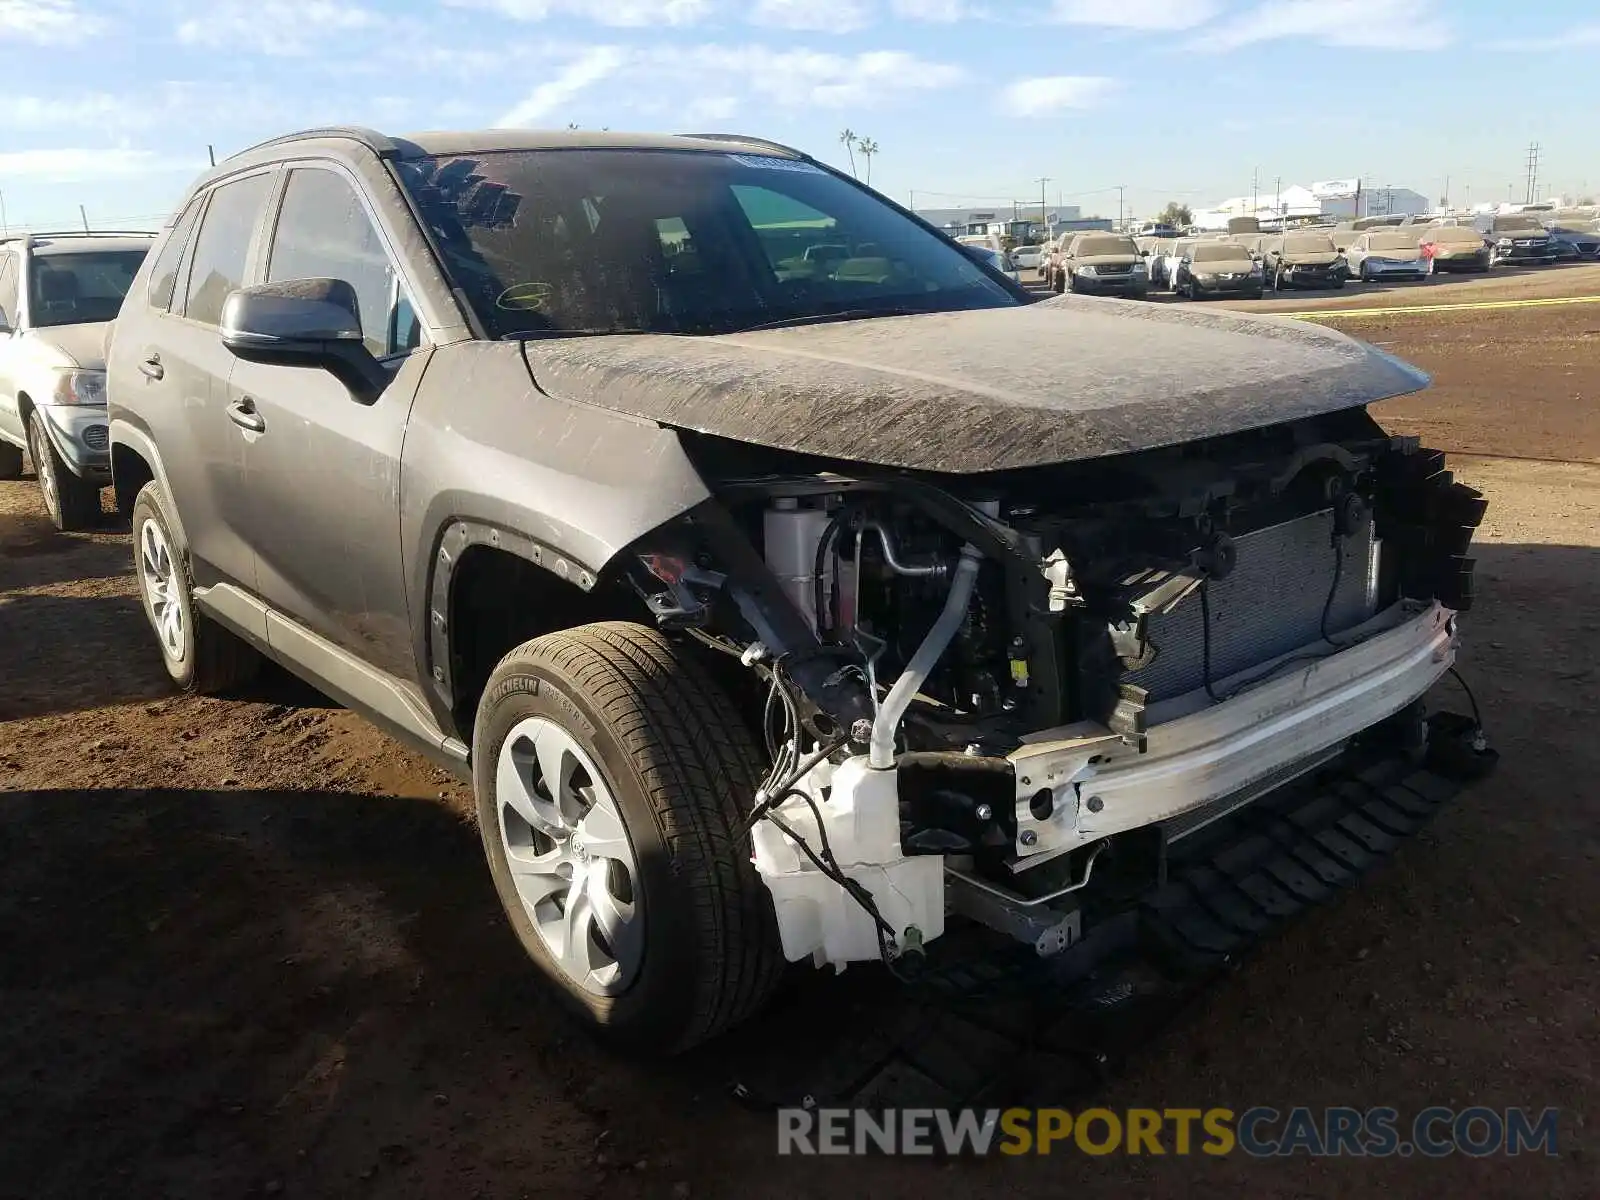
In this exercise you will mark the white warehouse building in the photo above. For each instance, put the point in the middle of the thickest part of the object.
(1340, 198)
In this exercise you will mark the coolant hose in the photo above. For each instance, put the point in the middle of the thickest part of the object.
(887, 723)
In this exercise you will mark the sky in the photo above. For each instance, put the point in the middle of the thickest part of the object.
(112, 103)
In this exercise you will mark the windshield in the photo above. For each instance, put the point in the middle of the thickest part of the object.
(1219, 252)
(1094, 247)
(1457, 235)
(546, 242)
(1307, 243)
(1517, 224)
(1393, 241)
(79, 286)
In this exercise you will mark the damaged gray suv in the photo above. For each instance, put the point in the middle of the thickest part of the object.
(703, 508)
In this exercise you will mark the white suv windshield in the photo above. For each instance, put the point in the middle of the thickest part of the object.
(554, 242)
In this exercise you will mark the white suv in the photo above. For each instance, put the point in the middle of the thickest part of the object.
(59, 294)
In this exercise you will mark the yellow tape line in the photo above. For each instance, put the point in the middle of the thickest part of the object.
(1481, 305)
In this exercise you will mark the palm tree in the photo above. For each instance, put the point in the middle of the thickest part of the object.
(868, 148)
(848, 137)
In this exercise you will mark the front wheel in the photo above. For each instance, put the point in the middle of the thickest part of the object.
(612, 776)
(73, 503)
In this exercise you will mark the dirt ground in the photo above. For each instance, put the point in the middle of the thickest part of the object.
(248, 946)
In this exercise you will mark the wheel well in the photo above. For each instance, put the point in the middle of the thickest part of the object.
(24, 411)
(129, 473)
(498, 600)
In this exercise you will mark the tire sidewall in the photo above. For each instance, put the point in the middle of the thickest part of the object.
(44, 466)
(658, 1006)
(149, 506)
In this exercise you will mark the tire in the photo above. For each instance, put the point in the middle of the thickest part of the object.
(1072, 284)
(201, 656)
(10, 461)
(1256, 294)
(73, 503)
(1339, 283)
(1277, 279)
(678, 764)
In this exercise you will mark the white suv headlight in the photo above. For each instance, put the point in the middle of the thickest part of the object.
(1088, 269)
(80, 387)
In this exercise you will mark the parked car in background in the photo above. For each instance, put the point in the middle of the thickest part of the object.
(1387, 254)
(1218, 269)
(1105, 264)
(1576, 241)
(1251, 242)
(1028, 258)
(1174, 254)
(1157, 229)
(1519, 238)
(59, 293)
(998, 259)
(1154, 252)
(1344, 236)
(1452, 248)
(1302, 260)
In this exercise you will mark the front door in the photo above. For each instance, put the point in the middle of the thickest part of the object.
(324, 468)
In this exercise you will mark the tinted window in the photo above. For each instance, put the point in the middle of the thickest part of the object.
(1391, 241)
(223, 245)
(8, 290)
(1219, 252)
(164, 275)
(614, 241)
(79, 287)
(324, 232)
(1093, 247)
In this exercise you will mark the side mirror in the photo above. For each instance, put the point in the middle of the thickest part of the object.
(304, 323)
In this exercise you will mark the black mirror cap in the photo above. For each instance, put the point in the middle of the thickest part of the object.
(303, 323)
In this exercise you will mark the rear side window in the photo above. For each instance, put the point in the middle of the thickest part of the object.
(223, 245)
(324, 232)
(164, 275)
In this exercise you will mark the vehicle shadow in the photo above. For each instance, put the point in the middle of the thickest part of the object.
(34, 553)
(67, 653)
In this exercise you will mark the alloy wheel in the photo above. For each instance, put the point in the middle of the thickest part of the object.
(158, 576)
(569, 855)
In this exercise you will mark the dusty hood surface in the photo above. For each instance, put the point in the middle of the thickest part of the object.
(1310, 258)
(961, 392)
(82, 346)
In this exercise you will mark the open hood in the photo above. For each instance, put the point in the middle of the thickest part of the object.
(963, 392)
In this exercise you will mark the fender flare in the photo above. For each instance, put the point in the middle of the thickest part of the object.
(124, 432)
(454, 539)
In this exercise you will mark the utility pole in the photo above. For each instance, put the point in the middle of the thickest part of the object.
(913, 200)
(1255, 190)
(85, 217)
(1533, 173)
(1277, 201)
(211, 152)
(5, 226)
(1044, 217)
(1446, 197)
(1120, 189)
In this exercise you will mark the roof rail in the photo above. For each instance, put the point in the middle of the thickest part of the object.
(31, 234)
(380, 144)
(746, 140)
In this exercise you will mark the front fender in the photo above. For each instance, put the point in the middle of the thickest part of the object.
(491, 460)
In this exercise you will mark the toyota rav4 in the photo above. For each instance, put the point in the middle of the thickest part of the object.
(704, 509)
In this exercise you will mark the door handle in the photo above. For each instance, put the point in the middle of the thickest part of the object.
(151, 367)
(243, 414)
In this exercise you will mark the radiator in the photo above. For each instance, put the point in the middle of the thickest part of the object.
(1271, 604)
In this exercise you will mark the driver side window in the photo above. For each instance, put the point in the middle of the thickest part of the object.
(324, 232)
(8, 291)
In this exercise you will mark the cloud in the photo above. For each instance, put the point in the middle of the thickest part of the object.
(274, 27)
(1134, 14)
(827, 16)
(942, 12)
(620, 13)
(810, 77)
(1570, 39)
(48, 22)
(596, 64)
(1054, 93)
(1368, 24)
(78, 165)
